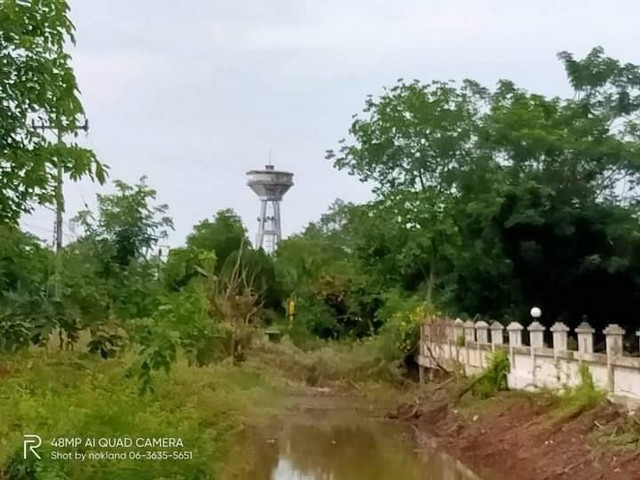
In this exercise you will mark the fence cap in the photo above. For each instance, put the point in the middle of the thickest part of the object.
(458, 322)
(514, 326)
(584, 327)
(482, 325)
(536, 327)
(559, 327)
(495, 325)
(468, 324)
(614, 329)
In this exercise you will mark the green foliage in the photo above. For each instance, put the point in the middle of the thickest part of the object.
(127, 226)
(223, 236)
(158, 352)
(494, 377)
(489, 201)
(67, 394)
(107, 341)
(573, 401)
(111, 271)
(259, 269)
(401, 331)
(330, 361)
(185, 264)
(181, 322)
(33, 37)
(336, 295)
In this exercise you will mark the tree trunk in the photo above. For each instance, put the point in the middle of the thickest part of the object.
(430, 282)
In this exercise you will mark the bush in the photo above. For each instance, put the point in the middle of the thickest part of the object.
(401, 332)
(575, 400)
(494, 377)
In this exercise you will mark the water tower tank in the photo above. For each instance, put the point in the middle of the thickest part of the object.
(270, 185)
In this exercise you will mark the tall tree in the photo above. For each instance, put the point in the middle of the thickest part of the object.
(482, 190)
(412, 144)
(223, 236)
(122, 235)
(37, 86)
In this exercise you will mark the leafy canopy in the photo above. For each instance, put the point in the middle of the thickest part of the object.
(37, 87)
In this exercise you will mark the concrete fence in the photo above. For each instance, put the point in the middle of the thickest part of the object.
(533, 366)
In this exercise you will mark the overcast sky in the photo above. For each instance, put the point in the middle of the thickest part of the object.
(194, 93)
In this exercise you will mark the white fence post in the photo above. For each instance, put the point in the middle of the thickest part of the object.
(469, 331)
(560, 335)
(614, 334)
(482, 332)
(585, 337)
(497, 330)
(515, 334)
(536, 335)
(458, 329)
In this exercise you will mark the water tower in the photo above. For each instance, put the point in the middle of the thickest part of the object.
(270, 185)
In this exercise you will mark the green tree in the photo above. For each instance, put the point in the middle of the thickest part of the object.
(37, 85)
(413, 144)
(336, 295)
(259, 270)
(122, 235)
(479, 192)
(224, 235)
(186, 263)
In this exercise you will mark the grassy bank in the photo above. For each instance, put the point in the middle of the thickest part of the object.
(68, 395)
(57, 394)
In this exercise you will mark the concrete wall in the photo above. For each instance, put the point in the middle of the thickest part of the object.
(536, 366)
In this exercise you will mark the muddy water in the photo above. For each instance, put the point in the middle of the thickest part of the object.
(331, 444)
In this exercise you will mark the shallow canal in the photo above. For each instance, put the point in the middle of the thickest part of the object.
(332, 444)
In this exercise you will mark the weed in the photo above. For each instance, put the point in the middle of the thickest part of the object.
(494, 377)
(575, 400)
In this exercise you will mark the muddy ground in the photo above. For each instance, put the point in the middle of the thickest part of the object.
(516, 436)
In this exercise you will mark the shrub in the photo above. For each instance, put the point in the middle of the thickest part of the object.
(401, 332)
(494, 377)
(575, 400)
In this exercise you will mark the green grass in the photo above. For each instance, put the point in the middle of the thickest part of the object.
(494, 377)
(573, 401)
(70, 394)
(333, 362)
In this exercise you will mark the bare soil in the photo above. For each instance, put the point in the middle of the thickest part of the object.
(514, 436)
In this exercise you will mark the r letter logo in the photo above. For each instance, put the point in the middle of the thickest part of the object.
(29, 444)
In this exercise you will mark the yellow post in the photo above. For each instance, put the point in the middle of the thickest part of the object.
(292, 310)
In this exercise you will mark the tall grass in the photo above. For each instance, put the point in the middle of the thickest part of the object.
(356, 361)
(573, 401)
(74, 395)
(494, 378)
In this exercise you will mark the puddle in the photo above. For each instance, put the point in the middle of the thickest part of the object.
(339, 445)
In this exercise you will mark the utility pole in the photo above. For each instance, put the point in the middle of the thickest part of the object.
(59, 199)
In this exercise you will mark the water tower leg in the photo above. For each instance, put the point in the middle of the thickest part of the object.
(261, 220)
(277, 224)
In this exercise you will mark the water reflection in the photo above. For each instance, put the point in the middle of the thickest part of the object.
(331, 445)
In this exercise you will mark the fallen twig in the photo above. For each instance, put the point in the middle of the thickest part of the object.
(468, 388)
(435, 360)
